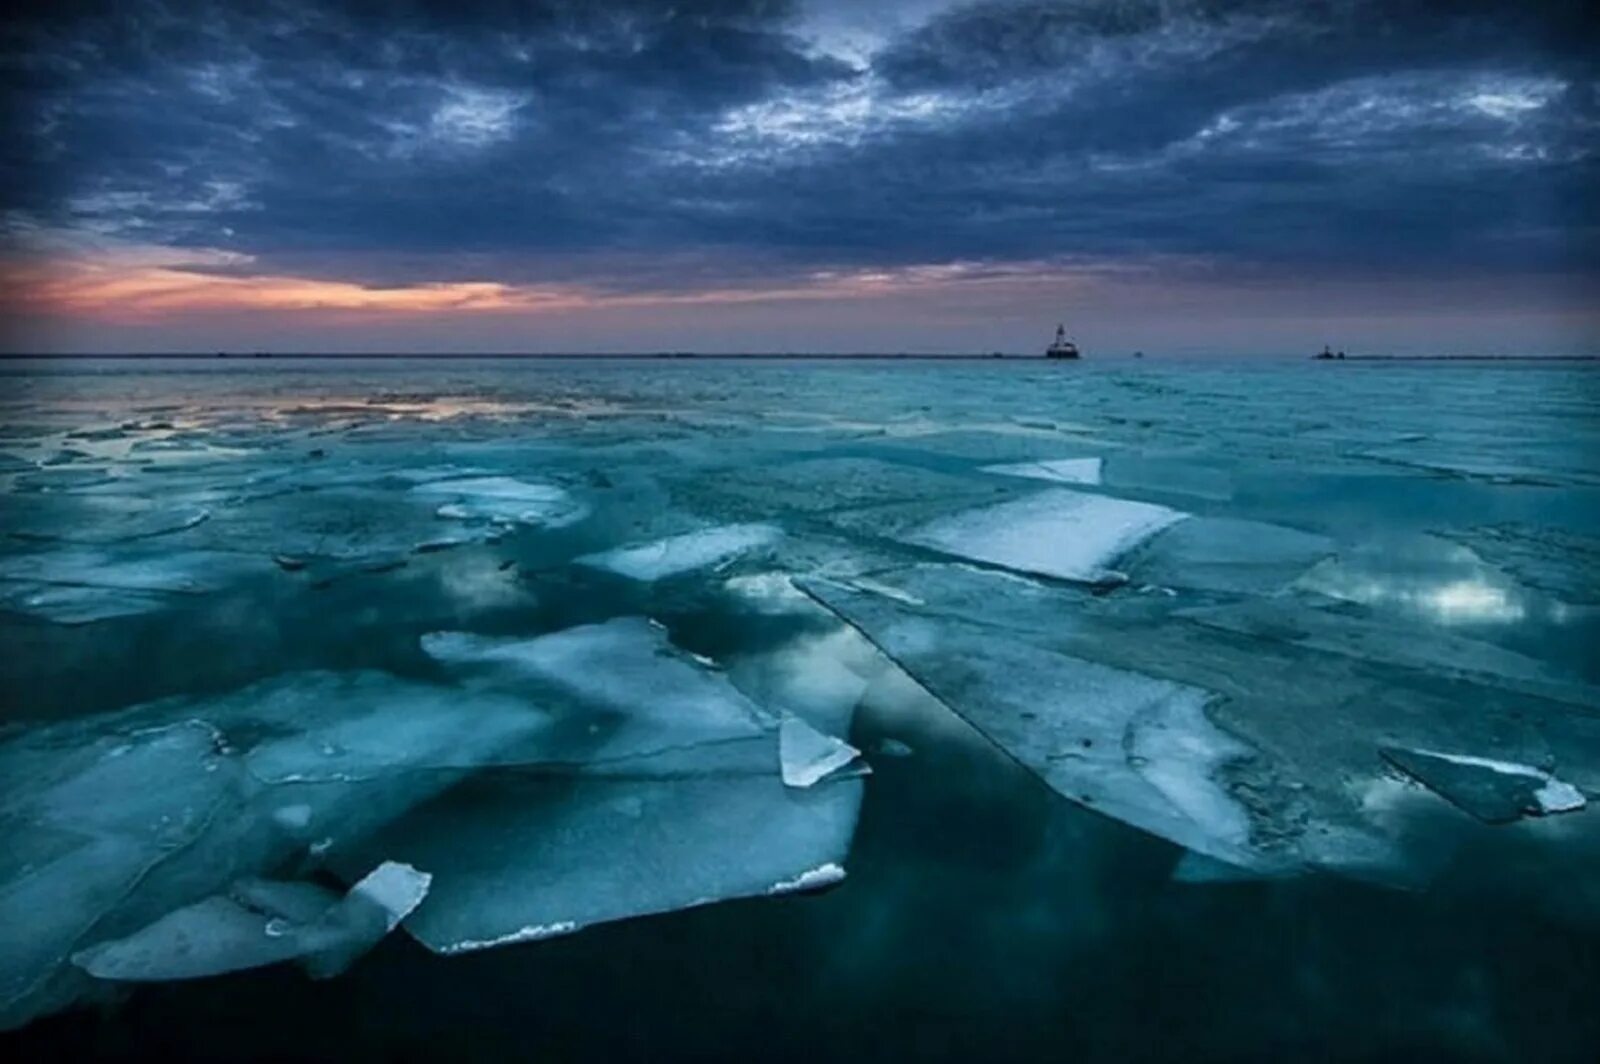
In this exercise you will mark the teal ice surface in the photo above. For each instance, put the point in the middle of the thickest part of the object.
(537, 627)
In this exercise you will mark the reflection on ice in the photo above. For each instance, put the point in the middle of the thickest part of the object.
(502, 500)
(1438, 581)
(677, 555)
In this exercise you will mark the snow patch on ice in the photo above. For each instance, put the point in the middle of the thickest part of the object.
(1060, 532)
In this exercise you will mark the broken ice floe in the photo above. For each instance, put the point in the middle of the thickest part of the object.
(808, 756)
(1059, 532)
(1227, 554)
(685, 799)
(263, 922)
(1491, 790)
(676, 555)
(502, 500)
(76, 585)
(1134, 747)
(133, 881)
(96, 852)
(624, 690)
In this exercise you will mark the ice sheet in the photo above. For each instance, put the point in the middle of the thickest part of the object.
(1060, 532)
(664, 558)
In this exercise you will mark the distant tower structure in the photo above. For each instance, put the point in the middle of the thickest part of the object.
(1061, 347)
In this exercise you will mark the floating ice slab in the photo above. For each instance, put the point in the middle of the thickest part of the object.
(99, 519)
(1060, 470)
(519, 858)
(113, 823)
(1493, 791)
(141, 569)
(262, 923)
(639, 693)
(1061, 533)
(65, 604)
(348, 727)
(84, 826)
(1136, 748)
(686, 553)
(503, 500)
(807, 755)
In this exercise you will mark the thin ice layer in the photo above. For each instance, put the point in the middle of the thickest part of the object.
(261, 923)
(503, 500)
(1060, 532)
(676, 555)
(1494, 791)
(518, 858)
(1136, 748)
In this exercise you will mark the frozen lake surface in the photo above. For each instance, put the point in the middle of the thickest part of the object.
(665, 709)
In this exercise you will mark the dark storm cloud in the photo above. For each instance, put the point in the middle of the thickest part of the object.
(694, 144)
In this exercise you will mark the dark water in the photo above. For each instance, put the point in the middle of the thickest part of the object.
(984, 916)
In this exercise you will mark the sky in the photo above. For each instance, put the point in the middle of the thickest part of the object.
(1172, 176)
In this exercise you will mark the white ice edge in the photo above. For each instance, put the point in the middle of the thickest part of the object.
(1553, 796)
(531, 933)
(820, 876)
(1057, 532)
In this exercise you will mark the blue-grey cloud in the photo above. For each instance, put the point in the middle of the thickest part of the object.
(649, 145)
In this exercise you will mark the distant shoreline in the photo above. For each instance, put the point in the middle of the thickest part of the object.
(676, 356)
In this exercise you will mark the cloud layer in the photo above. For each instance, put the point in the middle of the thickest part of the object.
(470, 153)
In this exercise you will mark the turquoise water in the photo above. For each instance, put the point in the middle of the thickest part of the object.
(1147, 661)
